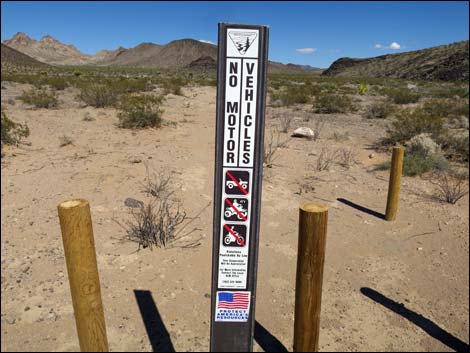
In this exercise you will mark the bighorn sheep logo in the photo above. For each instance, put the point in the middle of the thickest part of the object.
(242, 40)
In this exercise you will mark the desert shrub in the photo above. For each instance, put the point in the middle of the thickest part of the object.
(339, 136)
(271, 146)
(446, 108)
(155, 223)
(173, 85)
(379, 110)
(140, 111)
(451, 186)
(318, 126)
(446, 91)
(347, 157)
(456, 147)
(88, 117)
(98, 95)
(65, 140)
(333, 103)
(133, 85)
(294, 94)
(58, 83)
(285, 121)
(40, 98)
(362, 89)
(12, 132)
(408, 124)
(401, 95)
(326, 158)
(422, 144)
(416, 163)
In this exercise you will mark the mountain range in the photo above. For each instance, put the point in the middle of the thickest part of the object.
(445, 62)
(176, 54)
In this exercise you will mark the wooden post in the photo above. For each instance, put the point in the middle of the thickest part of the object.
(79, 248)
(313, 220)
(396, 170)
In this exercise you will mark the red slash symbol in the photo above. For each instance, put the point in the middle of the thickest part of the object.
(236, 182)
(235, 209)
(239, 240)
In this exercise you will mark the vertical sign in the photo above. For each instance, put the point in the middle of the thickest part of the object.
(241, 95)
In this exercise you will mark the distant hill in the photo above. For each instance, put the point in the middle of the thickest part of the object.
(182, 53)
(47, 50)
(445, 62)
(13, 58)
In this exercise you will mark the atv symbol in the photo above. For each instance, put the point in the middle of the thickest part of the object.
(230, 183)
(229, 238)
(229, 211)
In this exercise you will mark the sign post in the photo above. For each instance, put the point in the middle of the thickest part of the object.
(241, 95)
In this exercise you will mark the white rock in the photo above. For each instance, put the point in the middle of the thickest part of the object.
(303, 132)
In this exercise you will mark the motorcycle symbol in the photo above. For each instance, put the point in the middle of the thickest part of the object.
(230, 184)
(229, 211)
(229, 238)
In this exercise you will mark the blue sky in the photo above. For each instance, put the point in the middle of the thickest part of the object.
(313, 33)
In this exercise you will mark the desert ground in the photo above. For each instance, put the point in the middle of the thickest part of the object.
(419, 262)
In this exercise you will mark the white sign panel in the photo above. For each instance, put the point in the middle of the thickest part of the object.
(241, 83)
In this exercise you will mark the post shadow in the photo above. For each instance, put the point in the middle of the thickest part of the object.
(156, 330)
(361, 208)
(422, 322)
(266, 340)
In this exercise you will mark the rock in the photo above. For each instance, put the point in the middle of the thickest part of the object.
(372, 155)
(133, 203)
(303, 132)
(135, 160)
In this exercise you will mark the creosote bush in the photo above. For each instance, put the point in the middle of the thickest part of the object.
(140, 111)
(379, 110)
(407, 124)
(333, 103)
(98, 95)
(40, 98)
(401, 95)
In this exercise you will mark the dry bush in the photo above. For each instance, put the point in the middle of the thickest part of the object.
(12, 132)
(379, 110)
(285, 121)
(40, 98)
(158, 185)
(338, 136)
(271, 145)
(154, 223)
(347, 157)
(451, 186)
(318, 126)
(65, 141)
(326, 158)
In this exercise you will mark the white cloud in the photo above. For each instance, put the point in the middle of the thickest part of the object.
(306, 50)
(206, 41)
(393, 46)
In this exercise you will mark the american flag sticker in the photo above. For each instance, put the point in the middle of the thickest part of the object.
(232, 306)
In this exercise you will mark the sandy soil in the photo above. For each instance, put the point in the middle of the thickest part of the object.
(420, 260)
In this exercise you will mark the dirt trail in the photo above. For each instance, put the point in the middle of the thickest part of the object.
(420, 260)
